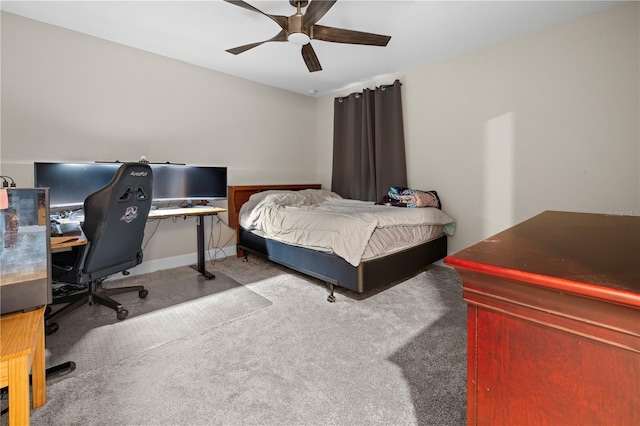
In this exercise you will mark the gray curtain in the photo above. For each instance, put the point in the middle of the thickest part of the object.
(368, 143)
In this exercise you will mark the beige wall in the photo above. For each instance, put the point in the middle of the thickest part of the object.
(67, 96)
(545, 122)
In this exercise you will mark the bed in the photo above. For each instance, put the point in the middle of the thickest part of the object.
(360, 275)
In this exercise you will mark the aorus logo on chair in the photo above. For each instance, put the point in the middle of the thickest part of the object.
(130, 214)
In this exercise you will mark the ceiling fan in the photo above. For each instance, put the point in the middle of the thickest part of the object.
(301, 29)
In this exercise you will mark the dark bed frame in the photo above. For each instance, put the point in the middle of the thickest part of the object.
(330, 268)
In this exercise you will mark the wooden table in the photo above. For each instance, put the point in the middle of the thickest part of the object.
(554, 321)
(22, 349)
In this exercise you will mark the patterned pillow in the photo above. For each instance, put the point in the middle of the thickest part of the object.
(407, 197)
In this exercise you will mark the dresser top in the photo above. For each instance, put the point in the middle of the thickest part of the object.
(594, 249)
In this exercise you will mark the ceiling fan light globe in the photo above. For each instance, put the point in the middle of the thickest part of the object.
(298, 38)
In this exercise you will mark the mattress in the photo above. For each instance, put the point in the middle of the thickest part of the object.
(385, 241)
(352, 229)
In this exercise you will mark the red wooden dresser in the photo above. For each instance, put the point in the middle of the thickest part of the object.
(554, 321)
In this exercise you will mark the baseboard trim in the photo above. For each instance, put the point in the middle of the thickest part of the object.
(148, 266)
(154, 265)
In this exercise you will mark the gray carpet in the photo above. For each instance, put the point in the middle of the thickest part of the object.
(282, 356)
(180, 303)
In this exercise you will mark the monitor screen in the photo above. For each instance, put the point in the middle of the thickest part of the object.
(176, 182)
(70, 183)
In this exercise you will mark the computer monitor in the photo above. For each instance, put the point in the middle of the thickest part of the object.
(25, 279)
(179, 182)
(70, 183)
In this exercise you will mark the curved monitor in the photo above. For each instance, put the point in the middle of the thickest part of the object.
(70, 183)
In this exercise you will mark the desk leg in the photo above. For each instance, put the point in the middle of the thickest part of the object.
(38, 372)
(19, 391)
(200, 267)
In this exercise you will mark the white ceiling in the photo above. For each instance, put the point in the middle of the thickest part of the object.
(198, 32)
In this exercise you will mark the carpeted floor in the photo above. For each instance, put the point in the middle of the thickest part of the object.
(260, 345)
(180, 304)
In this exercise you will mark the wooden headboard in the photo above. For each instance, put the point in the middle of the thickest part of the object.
(238, 195)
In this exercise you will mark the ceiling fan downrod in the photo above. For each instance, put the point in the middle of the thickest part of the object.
(298, 3)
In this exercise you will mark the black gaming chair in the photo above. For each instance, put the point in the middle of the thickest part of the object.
(114, 221)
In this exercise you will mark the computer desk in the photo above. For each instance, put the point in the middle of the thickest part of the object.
(200, 212)
(62, 243)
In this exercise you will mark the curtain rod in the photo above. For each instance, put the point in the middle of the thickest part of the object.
(382, 87)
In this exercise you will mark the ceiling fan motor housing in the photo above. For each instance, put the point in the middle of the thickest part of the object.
(295, 32)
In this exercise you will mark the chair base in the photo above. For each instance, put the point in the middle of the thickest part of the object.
(93, 295)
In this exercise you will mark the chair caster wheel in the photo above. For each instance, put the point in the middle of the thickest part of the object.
(122, 314)
(47, 310)
(51, 328)
(331, 298)
(143, 293)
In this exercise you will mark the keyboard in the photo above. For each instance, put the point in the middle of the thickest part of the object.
(69, 229)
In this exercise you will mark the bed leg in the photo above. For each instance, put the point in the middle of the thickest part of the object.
(331, 298)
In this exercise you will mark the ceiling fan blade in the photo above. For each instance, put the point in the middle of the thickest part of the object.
(278, 19)
(310, 58)
(281, 36)
(340, 35)
(315, 11)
